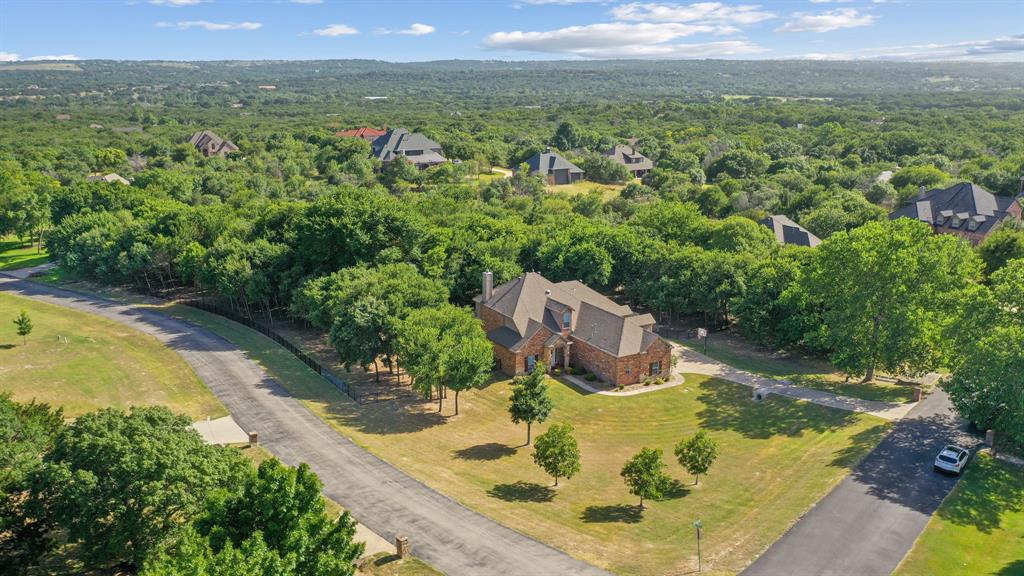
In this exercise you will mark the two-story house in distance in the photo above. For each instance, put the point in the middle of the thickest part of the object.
(531, 319)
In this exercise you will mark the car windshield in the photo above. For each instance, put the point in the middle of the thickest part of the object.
(947, 458)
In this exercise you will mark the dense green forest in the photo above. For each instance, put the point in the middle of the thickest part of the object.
(303, 223)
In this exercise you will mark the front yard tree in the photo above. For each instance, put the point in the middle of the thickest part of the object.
(883, 290)
(644, 474)
(986, 383)
(24, 324)
(530, 401)
(697, 454)
(120, 484)
(444, 347)
(557, 452)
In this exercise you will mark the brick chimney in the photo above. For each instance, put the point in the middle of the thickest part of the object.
(921, 191)
(488, 286)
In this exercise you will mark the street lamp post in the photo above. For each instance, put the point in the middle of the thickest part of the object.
(698, 525)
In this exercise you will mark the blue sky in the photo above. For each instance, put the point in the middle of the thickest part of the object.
(402, 30)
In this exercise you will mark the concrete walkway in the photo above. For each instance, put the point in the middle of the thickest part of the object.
(442, 532)
(677, 380)
(221, 431)
(696, 363)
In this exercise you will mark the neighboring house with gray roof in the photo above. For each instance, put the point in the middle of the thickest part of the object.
(417, 148)
(635, 162)
(531, 319)
(556, 169)
(209, 144)
(788, 232)
(964, 209)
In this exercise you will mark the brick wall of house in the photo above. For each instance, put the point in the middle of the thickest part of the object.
(621, 371)
(592, 358)
(638, 365)
(491, 319)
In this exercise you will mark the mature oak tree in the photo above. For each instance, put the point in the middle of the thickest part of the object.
(885, 291)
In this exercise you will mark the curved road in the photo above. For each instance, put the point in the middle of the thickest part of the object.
(442, 532)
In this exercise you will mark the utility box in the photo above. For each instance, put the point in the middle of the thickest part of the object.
(254, 439)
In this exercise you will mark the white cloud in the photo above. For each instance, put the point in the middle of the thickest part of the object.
(827, 21)
(1005, 47)
(12, 57)
(53, 57)
(336, 30)
(620, 40)
(418, 29)
(211, 26)
(175, 2)
(704, 12)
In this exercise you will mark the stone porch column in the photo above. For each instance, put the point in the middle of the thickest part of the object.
(565, 360)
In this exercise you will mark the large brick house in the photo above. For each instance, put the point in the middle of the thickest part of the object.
(209, 144)
(637, 164)
(417, 148)
(531, 320)
(553, 167)
(966, 210)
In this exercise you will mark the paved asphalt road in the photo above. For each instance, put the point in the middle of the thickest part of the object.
(442, 532)
(869, 522)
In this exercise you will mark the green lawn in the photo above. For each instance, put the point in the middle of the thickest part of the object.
(608, 191)
(811, 373)
(978, 530)
(102, 364)
(15, 254)
(778, 458)
(384, 564)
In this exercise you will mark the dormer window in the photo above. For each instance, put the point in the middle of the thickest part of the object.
(566, 319)
(956, 222)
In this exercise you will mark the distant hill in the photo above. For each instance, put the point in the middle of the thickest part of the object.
(527, 82)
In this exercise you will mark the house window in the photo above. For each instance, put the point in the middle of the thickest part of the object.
(531, 362)
(497, 363)
(655, 368)
(566, 319)
(628, 370)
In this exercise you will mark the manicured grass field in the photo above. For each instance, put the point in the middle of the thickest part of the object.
(778, 458)
(102, 364)
(815, 374)
(978, 530)
(15, 254)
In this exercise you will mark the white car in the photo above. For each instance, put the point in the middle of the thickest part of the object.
(951, 459)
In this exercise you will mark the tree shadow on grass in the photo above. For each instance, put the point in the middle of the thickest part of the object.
(7, 346)
(988, 490)
(728, 406)
(673, 491)
(616, 513)
(522, 492)
(485, 452)
(861, 444)
(1015, 568)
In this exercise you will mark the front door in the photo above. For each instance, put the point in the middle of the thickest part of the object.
(557, 355)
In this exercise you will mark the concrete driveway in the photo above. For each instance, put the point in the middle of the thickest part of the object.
(869, 522)
(442, 532)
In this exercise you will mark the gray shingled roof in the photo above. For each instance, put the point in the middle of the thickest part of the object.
(966, 201)
(788, 232)
(531, 303)
(399, 141)
(624, 154)
(548, 162)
